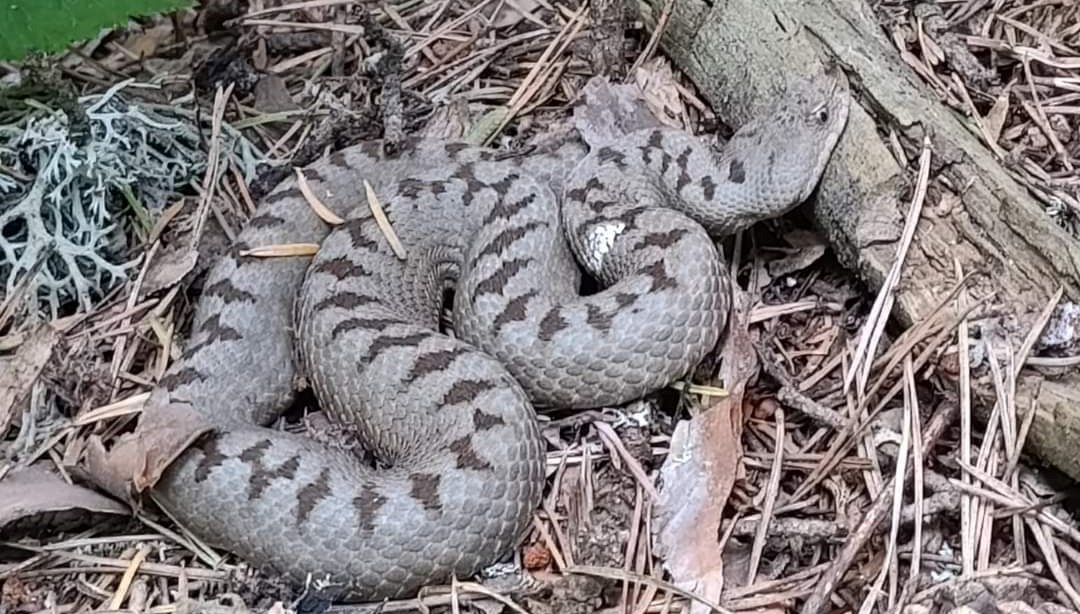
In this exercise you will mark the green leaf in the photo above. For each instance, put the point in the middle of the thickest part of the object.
(51, 25)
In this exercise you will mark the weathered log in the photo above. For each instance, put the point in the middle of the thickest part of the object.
(739, 53)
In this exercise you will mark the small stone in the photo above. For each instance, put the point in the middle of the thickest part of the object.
(535, 556)
(766, 408)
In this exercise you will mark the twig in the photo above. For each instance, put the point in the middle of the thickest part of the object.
(790, 395)
(818, 602)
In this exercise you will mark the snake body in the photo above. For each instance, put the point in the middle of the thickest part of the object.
(450, 419)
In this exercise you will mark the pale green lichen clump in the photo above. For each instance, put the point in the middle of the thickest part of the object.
(66, 185)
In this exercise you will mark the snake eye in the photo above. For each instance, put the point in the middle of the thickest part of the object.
(823, 116)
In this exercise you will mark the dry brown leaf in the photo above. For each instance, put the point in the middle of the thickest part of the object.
(272, 95)
(19, 371)
(146, 43)
(698, 478)
(137, 460)
(34, 498)
(661, 91)
(171, 261)
(699, 473)
(170, 266)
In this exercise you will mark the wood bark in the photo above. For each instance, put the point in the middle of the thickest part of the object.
(741, 53)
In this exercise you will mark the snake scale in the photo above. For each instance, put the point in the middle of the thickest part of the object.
(450, 418)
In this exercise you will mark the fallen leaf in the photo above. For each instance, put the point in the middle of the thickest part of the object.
(272, 95)
(808, 249)
(798, 237)
(701, 470)
(610, 111)
(169, 268)
(34, 499)
(736, 563)
(172, 261)
(138, 459)
(512, 12)
(661, 91)
(146, 43)
(19, 371)
(317, 205)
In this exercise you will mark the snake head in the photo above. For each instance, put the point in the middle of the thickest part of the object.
(781, 154)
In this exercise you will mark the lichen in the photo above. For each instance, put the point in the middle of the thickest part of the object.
(67, 183)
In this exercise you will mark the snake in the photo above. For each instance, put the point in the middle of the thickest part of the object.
(454, 461)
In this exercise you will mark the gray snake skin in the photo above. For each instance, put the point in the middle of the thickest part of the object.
(450, 419)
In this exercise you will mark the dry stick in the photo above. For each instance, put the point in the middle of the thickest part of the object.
(1012, 439)
(967, 528)
(790, 395)
(115, 565)
(847, 438)
(654, 39)
(1005, 496)
(608, 37)
(614, 443)
(819, 600)
(888, 564)
(632, 553)
(986, 460)
(770, 500)
(1000, 411)
(911, 337)
(875, 324)
(213, 169)
(809, 529)
(1040, 119)
(736, 593)
(953, 583)
(539, 70)
(443, 29)
(1046, 544)
(120, 344)
(917, 486)
(619, 574)
(448, 70)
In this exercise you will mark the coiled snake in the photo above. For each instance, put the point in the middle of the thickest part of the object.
(451, 420)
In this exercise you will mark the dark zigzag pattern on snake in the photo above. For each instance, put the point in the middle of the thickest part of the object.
(451, 420)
